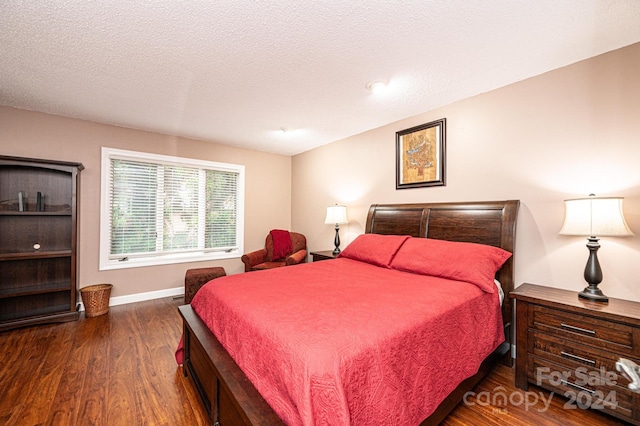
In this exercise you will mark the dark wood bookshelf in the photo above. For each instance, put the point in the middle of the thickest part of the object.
(38, 248)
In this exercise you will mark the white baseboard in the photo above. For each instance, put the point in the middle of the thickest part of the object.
(140, 297)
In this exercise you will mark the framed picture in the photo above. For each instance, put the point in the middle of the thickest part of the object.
(420, 156)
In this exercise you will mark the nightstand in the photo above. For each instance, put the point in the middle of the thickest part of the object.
(317, 256)
(570, 346)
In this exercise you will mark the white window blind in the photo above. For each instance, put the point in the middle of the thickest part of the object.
(167, 209)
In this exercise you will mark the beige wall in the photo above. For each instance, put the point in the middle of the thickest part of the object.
(267, 194)
(560, 135)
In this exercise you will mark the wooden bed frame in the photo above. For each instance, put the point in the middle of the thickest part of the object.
(231, 399)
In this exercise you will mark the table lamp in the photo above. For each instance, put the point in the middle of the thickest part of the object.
(336, 215)
(591, 217)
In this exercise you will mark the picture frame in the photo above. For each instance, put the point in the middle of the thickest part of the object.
(420, 155)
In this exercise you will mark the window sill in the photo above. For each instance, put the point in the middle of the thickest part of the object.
(167, 260)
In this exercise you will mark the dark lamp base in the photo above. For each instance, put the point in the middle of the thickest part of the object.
(593, 293)
(593, 274)
(336, 241)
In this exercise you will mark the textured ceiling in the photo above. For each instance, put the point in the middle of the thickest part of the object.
(236, 71)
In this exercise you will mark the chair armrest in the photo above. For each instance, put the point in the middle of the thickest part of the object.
(298, 257)
(253, 258)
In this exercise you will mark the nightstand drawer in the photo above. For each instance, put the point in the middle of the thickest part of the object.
(571, 353)
(582, 390)
(596, 332)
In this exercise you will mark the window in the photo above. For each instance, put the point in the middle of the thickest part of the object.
(158, 209)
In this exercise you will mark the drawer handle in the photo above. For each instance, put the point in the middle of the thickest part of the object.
(573, 385)
(576, 357)
(572, 327)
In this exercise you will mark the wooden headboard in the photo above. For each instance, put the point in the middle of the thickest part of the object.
(491, 222)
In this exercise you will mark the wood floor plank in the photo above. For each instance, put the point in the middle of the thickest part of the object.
(157, 371)
(148, 392)
(38, 340)
(55, 356)
(119, 369)
(120, 406)
(496, 401)
(69, 397)
(11, 402)
(93, 406)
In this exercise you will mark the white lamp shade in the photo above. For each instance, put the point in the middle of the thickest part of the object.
(592, 216)
(336, 215)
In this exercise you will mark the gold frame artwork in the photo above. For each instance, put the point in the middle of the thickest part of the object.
(420, 155)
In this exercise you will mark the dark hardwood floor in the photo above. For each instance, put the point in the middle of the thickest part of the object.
(114, 369)
(119, 369)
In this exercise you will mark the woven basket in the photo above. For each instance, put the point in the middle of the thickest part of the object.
(96, 299)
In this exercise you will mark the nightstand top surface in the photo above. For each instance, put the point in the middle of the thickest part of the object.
(326, 253)
(569, 300)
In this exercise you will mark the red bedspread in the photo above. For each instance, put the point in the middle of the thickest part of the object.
(345, 342)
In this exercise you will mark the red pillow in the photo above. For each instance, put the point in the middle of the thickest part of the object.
(473, 263)
(376, 249)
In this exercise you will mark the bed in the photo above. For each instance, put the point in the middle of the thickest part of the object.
(231, 398)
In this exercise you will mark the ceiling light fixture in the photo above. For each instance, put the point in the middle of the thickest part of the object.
(377, 86)
(287, 132)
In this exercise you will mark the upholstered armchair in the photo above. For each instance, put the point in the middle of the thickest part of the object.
(264, 258)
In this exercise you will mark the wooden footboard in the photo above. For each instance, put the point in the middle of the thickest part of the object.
(226, 393)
